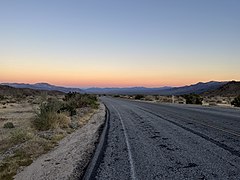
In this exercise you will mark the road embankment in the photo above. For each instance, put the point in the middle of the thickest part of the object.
(70, 158)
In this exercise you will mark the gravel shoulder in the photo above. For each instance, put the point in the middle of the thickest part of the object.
(69, 159)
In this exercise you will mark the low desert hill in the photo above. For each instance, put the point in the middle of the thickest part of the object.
(231, 89)
(11, 91)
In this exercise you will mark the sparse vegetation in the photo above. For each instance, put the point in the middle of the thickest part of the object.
(11, 164)
(19, 136)
(193, 99)
(51, 111)
(236, 102)
(8, 125)
(139, 96)
(2, 97)
(40, 121)
(148, 98)
(75, 100)
(48, 116)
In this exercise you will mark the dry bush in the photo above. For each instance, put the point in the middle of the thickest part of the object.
(236, 102)
(8, 125)
(10, 165)
(19, 136)
(148, 98)
(139, 96)
(63, 121)
(49, 116)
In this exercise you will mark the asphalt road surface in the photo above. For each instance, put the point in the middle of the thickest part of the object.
(163, 141)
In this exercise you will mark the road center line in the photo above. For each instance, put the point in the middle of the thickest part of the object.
(133, 174)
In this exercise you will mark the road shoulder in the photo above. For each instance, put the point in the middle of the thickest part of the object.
(69, 159)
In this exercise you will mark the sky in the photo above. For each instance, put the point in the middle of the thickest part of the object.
(119, 43)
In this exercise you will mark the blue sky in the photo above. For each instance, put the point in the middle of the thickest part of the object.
(119, 43)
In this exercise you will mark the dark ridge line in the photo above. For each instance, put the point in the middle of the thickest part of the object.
(221, 145)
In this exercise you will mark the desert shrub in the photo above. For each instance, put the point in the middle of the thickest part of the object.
(70, 95)
(193, 99)
(10, 165)
(8, 125)
(49, 116)
(63, 121)
(139, 96)
(88, 100)
(51, 105)
(2, 97)
(148, 98)
(116, 95)
(71, 109)
(20, 136)
(75, 100)
(236, 102)
(45, 120)
(156, 97)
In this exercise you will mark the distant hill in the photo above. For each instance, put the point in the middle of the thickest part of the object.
(230, 89)
(128, 91)
(43, 86)
(198, 88)
(11, 91)
(195, 88)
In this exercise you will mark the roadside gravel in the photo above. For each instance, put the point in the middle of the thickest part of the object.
(69, 159)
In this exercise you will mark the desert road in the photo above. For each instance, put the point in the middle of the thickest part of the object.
(166, 141)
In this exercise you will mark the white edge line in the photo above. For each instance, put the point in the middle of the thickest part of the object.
(133, 174)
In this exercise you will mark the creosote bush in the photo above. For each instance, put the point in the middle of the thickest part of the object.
(49, 116)
(8, 125)
(20, 136)
(51, 111)
(75, 100)
(236, 102)
(193, 99)
(2, 97)
(139, 96)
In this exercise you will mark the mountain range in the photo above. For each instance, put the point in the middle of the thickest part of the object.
(43, 86)
(198, 88)
(6, 90)
(230, 89)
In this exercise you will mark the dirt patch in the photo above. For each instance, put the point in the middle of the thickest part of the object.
(70, 157)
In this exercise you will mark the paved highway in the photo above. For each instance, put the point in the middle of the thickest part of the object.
(163, 141)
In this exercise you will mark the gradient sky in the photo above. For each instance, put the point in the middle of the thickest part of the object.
(119, 42)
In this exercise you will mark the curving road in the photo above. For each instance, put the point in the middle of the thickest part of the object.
(164, 141)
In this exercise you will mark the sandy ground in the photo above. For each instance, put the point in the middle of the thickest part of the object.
(69, 159)
(19, 114)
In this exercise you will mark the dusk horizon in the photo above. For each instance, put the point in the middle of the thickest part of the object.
(119, 89)
(130, 86)
(119, 44)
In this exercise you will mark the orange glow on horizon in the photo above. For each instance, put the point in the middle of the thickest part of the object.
(106, 76)
(114, 82)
